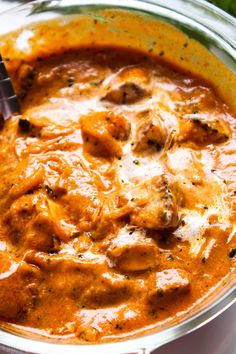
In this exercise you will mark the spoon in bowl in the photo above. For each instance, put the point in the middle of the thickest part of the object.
(9, 104)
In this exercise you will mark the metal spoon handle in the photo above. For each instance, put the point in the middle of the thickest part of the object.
(9, 104)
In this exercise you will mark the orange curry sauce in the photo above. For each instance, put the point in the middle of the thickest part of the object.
(117, 195)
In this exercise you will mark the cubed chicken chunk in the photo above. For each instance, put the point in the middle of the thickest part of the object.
(85, 278)
(128, 86)
(154, 204)
(28, 176)
(169, 282)
(20, 213)
(131, 250)
(87, 262)
(203, 131)
(18, 291)
(103, 133)
(33, 222)
(108, 289)
(151, 132)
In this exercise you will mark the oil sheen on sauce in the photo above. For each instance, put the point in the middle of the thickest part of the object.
(117, 184)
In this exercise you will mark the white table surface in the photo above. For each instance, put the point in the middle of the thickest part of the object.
(218, 337)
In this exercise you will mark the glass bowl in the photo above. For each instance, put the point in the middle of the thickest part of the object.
(215, 33)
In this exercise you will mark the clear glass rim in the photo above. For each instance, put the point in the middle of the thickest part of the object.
(143, 344)
(146, 342)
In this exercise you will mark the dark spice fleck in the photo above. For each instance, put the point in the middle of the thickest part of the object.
(49, 190)
(96, 83)
(30, 191)
(150, 142)
(24, 125)
(152, 312)
(70, 81)
(118, 326)
(75, 234)
(170, 257)
(232, 253)
(136, 162)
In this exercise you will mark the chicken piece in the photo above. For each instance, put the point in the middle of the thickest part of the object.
(73, 275)
(27, 177)
(193, 229)
(126, 93)
(86, 262)
(201, 130)
(24, 79)
(91, 324)
(151, 132)
(226, 162)
(128, 86)
(108, 289)
(18, 291)
(48, 122)
(7, 265)
(21, 213)
(195, 184)
(132, 251)
(35, 222)
(168, 283)
(73, 194)
(44, 126)
(154, 204)
(19, 221)
(103, 133)
(203, 118)
(103, 226)
(49, 220)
